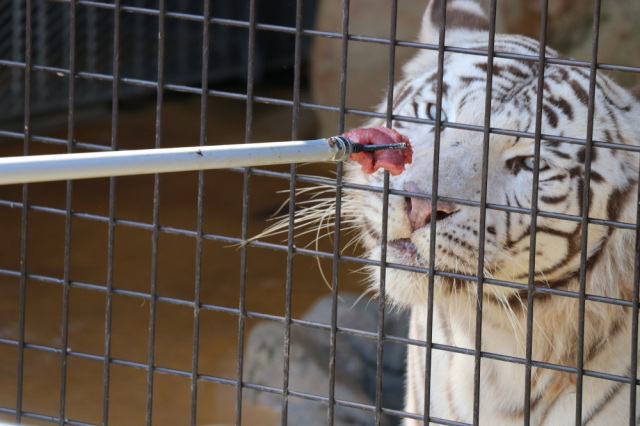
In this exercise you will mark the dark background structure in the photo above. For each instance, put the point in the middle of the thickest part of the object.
(94, 25)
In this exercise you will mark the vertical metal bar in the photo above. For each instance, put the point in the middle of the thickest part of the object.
(585, 208)
(182, 39)
(67, 229)
(140, 43)
(25, 210)
(382, 301)
(483, 214)
(531, 288)
(200, 213)
(434, 207)
(333, 331)
(115, 88)
(385, 220)
(245, 213)
(156, 213)
(91, 42)
(633, 370)
(92, 50)
(17, 47)
(292, 208)
(42, 35)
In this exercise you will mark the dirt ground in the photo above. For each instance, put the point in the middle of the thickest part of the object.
(132, 271)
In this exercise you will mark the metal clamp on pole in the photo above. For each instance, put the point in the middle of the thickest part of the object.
(45, 168)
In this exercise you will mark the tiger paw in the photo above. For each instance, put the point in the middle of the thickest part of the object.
(393, 160)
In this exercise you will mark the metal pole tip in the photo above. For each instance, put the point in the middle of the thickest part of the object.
(370, 148)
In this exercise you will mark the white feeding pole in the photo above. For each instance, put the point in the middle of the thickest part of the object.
(45, 168)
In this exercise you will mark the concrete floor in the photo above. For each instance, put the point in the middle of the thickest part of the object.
(218, 350)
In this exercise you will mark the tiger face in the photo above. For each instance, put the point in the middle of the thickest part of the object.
(503, 228)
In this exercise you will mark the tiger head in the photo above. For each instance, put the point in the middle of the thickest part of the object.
(505, 162)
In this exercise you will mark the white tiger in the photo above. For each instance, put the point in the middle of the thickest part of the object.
(610, 257)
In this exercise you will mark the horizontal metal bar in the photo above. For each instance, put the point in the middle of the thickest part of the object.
(309, 252)
(305, 105)
(43, 417)
(361, 333)
(352, 37)
(44, 168)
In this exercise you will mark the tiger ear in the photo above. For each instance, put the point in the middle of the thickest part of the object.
(462, 16)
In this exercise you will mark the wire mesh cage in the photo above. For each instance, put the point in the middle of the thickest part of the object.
(159, 299)
(94, 27)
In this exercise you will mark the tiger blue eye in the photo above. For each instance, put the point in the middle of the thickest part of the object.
(529, 163)
(431, 113)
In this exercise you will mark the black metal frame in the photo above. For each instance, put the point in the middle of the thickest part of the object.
(28, 67)
(94, 25)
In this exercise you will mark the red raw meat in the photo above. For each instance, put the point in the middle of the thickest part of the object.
(390, 159)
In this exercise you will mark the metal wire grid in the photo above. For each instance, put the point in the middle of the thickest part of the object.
(94, 26)
(116, 80)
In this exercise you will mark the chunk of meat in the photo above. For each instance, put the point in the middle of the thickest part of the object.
(393, 160)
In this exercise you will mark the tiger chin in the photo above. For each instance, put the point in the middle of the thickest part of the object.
(507, 240)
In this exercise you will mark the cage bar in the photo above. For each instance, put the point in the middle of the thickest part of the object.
(71, 122)
(115, 87)
(531, 287)
(432, 226)
(295, 118)
(585, 209)
(483, 214)
(204, 105)
(153, 285)
(635, 299)
(246, 197)
(385, 218)
(28, 37)
(344, 49)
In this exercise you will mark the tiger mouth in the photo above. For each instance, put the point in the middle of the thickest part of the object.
(408, 250)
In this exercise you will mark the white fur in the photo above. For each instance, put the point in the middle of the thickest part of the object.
(617, 116)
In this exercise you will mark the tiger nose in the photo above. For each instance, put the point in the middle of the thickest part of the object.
(419, 209)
